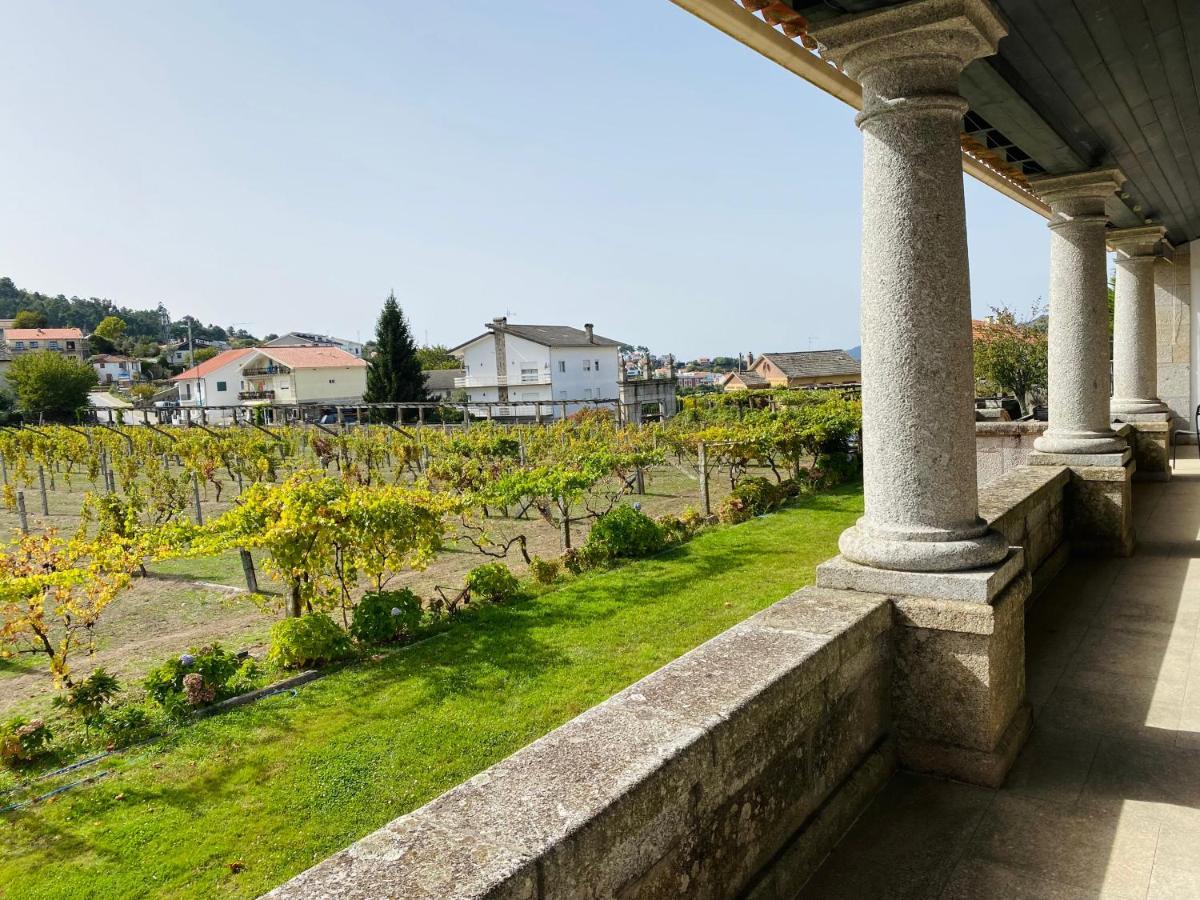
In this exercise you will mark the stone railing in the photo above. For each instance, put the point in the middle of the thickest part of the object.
(1027, 506)
(732, 770)
(1003, 446)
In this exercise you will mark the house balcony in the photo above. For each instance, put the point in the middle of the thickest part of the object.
(265, 370)
(483, 381)
(256, 395)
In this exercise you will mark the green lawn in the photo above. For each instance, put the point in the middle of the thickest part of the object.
(282, 784)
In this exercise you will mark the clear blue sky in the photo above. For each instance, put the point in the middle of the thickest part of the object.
(285, 164)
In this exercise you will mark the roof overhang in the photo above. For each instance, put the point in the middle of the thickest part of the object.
(1073, 87)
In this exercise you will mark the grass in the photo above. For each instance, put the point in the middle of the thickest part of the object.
(280, 785)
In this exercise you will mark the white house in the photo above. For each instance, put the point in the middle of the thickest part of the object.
(179, 353)
(266, 376)
(519, 364)
(113, 369)
(309, 339)
(215, 382)
(298, 375)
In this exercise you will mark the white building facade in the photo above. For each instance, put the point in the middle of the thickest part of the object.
(525, 366)
(280, 376)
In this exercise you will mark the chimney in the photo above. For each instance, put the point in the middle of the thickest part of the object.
(587, 327)
(499, 322)
(749, 360)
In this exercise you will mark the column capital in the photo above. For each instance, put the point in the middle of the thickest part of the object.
(918, 32)
(1063, 190)
(1134, 242)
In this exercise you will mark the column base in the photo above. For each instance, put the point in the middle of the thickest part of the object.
(1123, 408)
(1080, 460)
(875, 548)
(1087, 443)
(958, 691)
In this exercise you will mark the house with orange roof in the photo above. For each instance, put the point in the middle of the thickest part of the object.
(274, 376)
(67, 341)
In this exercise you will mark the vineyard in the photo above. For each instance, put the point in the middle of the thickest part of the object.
(122, 530)
(463, 590)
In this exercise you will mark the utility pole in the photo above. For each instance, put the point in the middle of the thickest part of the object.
(192, 357)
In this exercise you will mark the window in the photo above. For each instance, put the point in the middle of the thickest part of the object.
(53, 345)
(587, 365)
(597, 365)
(331, 381)
(221, 385)
(587, 393)
(20, 345)
(70, 345)
(562, 363)
(529, 376)
(32, 344)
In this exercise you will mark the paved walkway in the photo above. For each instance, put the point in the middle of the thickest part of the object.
(1105, 798)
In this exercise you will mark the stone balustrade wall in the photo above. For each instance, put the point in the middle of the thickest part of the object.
(1027, 505)
(1001, 447)
(732, 770)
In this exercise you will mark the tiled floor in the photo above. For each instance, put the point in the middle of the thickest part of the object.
(1105, 798)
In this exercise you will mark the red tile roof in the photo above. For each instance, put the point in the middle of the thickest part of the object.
(43, 334)
(211, 365)
(312, 357)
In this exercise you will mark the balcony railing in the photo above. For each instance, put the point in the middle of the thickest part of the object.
(469, 381)
(256, 395)
(268, 370)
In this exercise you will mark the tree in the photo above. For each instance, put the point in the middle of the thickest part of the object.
(438, 357)
(204, 355)
(1011, 357)
(28, 318)
(53, 590)
(394, 373)
(111, 329)
(51, 383)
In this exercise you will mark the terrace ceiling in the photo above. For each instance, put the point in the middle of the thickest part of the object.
(1077, 84)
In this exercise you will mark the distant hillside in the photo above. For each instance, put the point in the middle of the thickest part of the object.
(856, 352)
(86, 314)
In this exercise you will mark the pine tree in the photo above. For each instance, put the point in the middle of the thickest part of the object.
(394, 374)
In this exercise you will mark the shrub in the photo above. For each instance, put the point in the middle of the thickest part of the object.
(839, 467)
(493, 581)
(692, 519)
(309, 640)
(544, 571)
(89, 697)
(383, 616)
(23, 740)
(624, 532)
(752, 497)
(199, 677)
(573, 561)
(127, 724)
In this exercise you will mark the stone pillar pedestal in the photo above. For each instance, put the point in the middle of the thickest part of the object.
(958, 691)
(959, 683)
(1099, 500)
(1150, 440)
(1078, 359)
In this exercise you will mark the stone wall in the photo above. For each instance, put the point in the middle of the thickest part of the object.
(1001, 447)
(1173, 315)
(1026, 505)
(733, 769)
